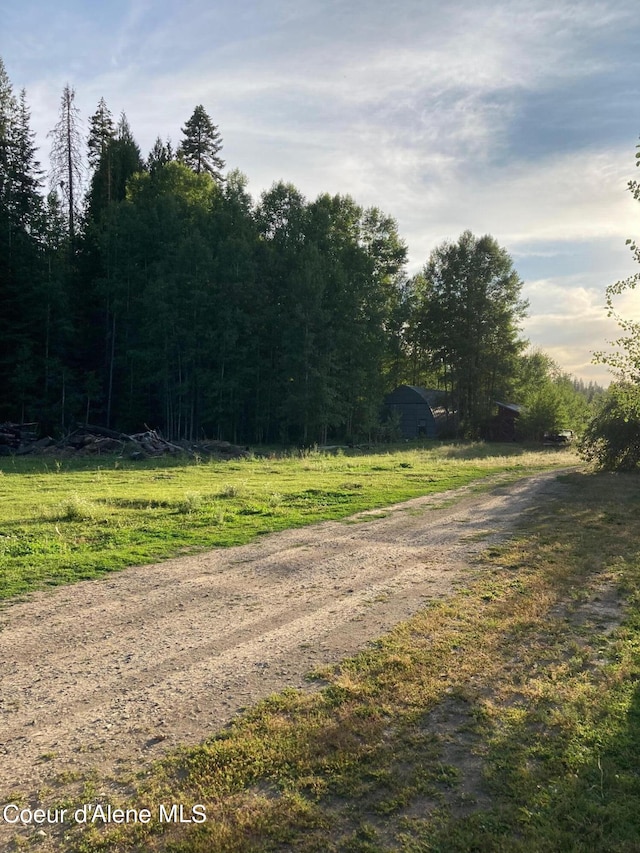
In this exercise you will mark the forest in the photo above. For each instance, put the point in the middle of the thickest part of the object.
(155, 290)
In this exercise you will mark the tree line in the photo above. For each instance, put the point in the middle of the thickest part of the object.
(156, 290)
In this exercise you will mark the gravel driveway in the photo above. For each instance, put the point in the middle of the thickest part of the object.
(113, 673)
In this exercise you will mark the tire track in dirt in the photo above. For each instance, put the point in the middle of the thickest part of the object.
(115, 672)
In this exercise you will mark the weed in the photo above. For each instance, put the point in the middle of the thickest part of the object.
(191, 503)
(76, 508)
(230, 490)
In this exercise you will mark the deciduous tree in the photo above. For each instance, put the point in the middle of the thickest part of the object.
(471, 310)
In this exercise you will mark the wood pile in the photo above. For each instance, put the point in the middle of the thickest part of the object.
(218, 449)
(90, 440)
(15, 436)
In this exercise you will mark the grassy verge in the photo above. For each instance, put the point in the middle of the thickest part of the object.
(62, 521)
(504, 719)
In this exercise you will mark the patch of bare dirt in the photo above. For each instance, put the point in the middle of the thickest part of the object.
(112, 674)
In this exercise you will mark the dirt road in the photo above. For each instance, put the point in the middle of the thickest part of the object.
(115, 672)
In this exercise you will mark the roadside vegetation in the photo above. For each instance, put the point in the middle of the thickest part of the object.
(506, 718)
(611, 438)
(64, 521)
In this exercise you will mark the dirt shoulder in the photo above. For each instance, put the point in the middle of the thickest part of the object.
(112, 674)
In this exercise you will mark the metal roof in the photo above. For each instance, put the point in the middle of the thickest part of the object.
(512, 407)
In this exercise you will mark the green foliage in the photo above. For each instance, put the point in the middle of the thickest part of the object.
(101, 133)
(118, 159)
(160, 154)
(552, 401)
(612, 437)
(175, 301)
(33, 255)
(544, 412)
(625, 361)
(468, 309)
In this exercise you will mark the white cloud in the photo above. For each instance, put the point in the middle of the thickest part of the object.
(569, 321)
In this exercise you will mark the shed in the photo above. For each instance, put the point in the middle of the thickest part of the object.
(503, 426)
(421, 410)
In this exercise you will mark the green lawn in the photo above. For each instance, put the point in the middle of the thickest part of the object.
(67, 520)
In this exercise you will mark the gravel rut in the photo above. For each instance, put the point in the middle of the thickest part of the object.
(113, 673)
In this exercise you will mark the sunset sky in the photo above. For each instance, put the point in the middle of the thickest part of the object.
(515, 119)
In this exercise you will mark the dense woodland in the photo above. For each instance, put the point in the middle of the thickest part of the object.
(154, 290)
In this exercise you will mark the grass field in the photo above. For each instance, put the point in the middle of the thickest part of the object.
(504, 719)
(68, 520)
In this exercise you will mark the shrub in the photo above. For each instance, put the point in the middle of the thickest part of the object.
(612, 437)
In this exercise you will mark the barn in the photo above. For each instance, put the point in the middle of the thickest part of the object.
(421, 411)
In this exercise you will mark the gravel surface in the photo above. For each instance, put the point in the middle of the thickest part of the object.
(112, 674)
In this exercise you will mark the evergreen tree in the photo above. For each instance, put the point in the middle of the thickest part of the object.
(8, 108)
(23, 267)
(99, 149)
(201, 146)
(25, 203)
(126, 158)
(101, 133)
(56, 326)
(160, 154)
(66, 158)
(10, 287)
(157, 301)
(119, 160)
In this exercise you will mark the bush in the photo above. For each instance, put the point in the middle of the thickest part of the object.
(545, 411)
(612, 437)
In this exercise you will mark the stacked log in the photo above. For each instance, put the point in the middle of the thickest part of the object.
(14, 438)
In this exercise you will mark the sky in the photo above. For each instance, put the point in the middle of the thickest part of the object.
(515, 119)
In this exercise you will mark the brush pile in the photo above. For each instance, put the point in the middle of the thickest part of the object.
(89, 440)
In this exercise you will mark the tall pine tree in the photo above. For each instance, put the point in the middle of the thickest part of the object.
(201, 146)
(24, 170)
(160, 154)
(101, 133)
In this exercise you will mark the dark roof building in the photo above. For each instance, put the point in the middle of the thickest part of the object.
(421, 411)
(503, 426)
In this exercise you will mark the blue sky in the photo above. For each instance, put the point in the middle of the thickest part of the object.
(518, 119)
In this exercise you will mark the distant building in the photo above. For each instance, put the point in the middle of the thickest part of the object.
(421, 411)
(503, 426)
